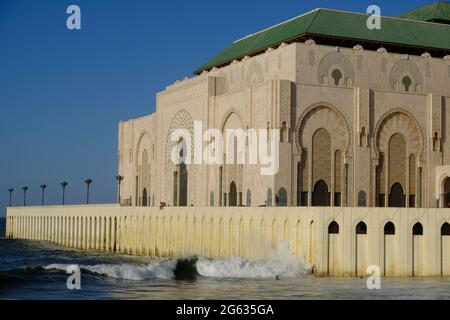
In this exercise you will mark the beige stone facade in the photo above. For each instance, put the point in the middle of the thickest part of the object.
(358, 128)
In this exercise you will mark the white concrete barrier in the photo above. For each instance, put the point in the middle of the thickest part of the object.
(336, 241)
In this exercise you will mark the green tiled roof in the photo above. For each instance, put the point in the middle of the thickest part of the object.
(339, 24)
(437, 11)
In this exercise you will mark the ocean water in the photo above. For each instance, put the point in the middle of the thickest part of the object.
(37, 270)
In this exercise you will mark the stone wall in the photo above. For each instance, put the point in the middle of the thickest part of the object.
(336, 241)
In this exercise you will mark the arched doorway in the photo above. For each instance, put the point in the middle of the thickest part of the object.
(144, 198)
(361, 249)
(397, 196)
(183, 185)
(233, 195)
(321, 196)
(447, 193)
(282, 197)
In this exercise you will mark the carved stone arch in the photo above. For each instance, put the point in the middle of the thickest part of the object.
(399, 121)
(254, 74)
(342, 125)
(228, 115)
(334, 59)
(144, 134)
(406, 68)
(181, 120)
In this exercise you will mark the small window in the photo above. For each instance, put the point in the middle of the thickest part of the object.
(406, 83)
(304, 199)
(362, 198)
(418, 229)
(269, 197)
(333, 228)
(211, 199)
(249, 198)
(337, 76)
(389, 228)
(445, 229)
(361, 228)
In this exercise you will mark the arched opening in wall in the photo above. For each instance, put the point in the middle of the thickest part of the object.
(269, 197)
(362, 198)
(337, 76)
(233, 195)
(406, 82)
(436, 146)
(389, 228)
(249, 198)
(321, 196)
(144, 198)
(363, 137)
(211, 199)
(183, 185)
(361, 228)
(333, 262)
(412, 181)
(302, 180)
(284, 133)
(322, 162)
(380, 181)
(337, 178)
(418, 246)
(282, 197)
(447, 193)
(333, 228)
(390, 250)
(445, 249)
(397, 196)
(361, 248)
(418, 229)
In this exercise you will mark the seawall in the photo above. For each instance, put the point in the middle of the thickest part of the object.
(336, 241)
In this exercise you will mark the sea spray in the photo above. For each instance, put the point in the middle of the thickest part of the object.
(278, 262)
(155, 270)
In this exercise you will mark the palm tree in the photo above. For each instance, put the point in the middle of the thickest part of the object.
(88, 182)
(64, 185)
(43, 187)
(25, 189)
(11, 190)
(119, 179)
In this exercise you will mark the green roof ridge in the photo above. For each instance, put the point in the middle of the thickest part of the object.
(340, 24)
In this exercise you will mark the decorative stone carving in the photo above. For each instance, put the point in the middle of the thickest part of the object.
(325, 115)
(332, 61)
(398, 121)
(406, 68)
(254, 74)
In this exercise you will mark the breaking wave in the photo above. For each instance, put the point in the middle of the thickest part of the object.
(279, 262)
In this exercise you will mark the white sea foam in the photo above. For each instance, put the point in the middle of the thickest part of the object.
(279, 261)
(154, 270)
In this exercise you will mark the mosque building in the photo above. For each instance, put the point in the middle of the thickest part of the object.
(362, 115)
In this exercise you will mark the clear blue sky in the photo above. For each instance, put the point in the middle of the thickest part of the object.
(62, 93)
